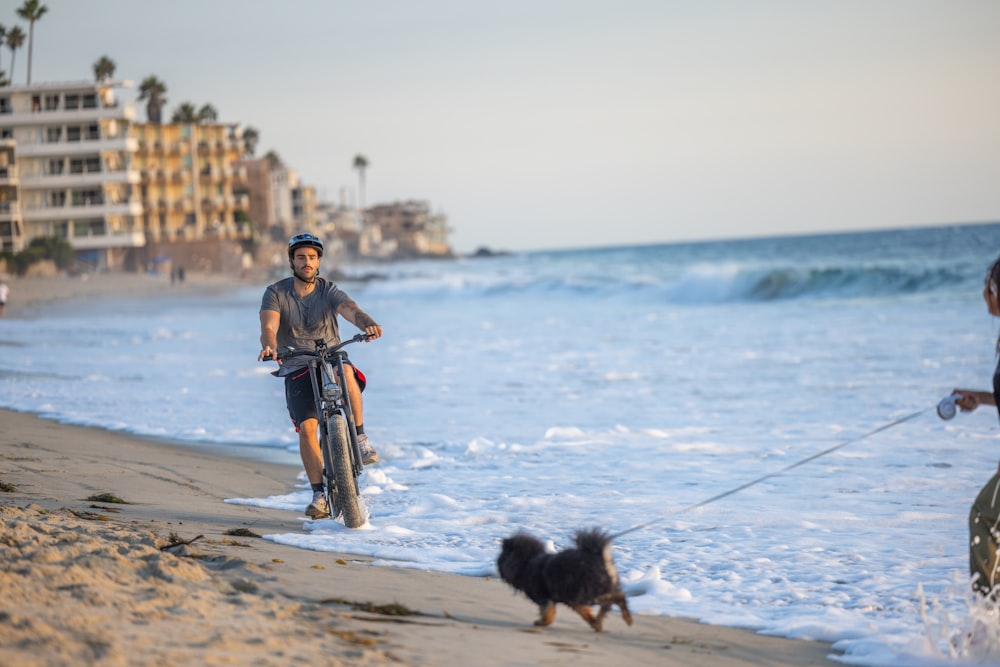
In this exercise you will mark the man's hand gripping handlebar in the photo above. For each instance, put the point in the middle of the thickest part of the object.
(267, 354)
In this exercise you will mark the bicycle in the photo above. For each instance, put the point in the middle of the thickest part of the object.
(338, 437)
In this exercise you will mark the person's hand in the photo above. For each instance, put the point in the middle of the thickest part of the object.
(267, 354)
(966, 401)
(373, 332)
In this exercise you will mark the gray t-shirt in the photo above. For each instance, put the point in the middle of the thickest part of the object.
(304, 320)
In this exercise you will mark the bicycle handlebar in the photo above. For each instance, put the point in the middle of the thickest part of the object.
(358, 338)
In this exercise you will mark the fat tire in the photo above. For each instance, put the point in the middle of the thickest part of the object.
(346, 486)
(329, 483)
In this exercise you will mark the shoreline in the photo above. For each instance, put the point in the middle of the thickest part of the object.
(337, 605)
(96, 582)
(28, 295)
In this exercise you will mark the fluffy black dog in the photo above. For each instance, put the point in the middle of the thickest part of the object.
(578, 578)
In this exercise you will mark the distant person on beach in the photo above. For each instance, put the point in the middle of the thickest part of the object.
(296, 312)
(4, 293)
(984, 518)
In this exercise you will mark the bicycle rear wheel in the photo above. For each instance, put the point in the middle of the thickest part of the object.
(345, 492)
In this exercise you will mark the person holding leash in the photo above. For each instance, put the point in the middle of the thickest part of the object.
(984, 517)
(296, 312)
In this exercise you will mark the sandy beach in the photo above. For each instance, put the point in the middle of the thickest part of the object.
(120, 550)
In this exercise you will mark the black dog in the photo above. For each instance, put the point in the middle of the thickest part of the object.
(578, 577)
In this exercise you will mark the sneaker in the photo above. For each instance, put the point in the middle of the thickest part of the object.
(368, 453)
(318, 508)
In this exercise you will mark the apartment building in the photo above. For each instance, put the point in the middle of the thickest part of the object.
(75, 176)
(190, 180)
(280, 205)
(406, 229)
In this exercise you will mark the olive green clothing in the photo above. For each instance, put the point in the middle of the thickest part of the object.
(984, 535)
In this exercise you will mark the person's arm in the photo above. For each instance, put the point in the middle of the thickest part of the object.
(349, 311)
(970, 399)
(269, 320)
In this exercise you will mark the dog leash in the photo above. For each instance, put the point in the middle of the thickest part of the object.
(725, 494)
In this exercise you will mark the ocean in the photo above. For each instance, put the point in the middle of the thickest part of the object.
(761, 411)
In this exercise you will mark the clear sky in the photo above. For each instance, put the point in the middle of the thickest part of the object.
(567, 123)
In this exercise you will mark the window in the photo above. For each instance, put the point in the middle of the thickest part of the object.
(85, 165)
(93, 132)
(5, 105)
(72, 102)
(90, 101)
(87, 197)
(88, 227)
(57, 199)
(56, 167)
(53, 135)
(73, 133)
(51, 102)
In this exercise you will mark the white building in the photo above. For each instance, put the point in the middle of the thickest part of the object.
(76, 169)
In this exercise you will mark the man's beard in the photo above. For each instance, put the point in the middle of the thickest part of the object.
(303, 278)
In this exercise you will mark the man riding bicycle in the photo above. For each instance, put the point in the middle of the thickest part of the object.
(296, 312)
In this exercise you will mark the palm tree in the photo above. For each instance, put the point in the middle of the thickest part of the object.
(185, 113)
(104, 68)
(3, 34)
(273, 160)
(361, 163)
(153, 90)
(31, 11)
(207, 114)
(15, 40)
(250, 138)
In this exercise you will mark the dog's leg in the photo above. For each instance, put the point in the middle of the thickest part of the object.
(609, 600)
(588, 615)
(619, 599)
(547, 613)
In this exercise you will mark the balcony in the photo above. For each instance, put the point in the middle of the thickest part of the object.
(10, 210)
(94, 210)
(66, 116)
(9, 175)
(57, 148)
(65, 180)
(114, 240)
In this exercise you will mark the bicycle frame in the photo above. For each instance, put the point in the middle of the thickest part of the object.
(326, 371)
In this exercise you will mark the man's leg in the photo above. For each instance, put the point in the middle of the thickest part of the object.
(368, 453)
(312, 459)
(354, 393)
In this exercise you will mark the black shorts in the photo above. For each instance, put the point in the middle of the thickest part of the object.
(299, 395)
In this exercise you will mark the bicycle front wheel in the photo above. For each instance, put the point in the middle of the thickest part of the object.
(345, 490)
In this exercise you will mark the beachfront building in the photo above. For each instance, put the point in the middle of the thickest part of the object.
(280, 205)
(196, 208)
(11, 228)
(76, 177)
(189, 176)
(262, 199)
(405, 230)
(305, 213)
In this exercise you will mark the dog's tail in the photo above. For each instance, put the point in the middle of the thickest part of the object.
(593, 541)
